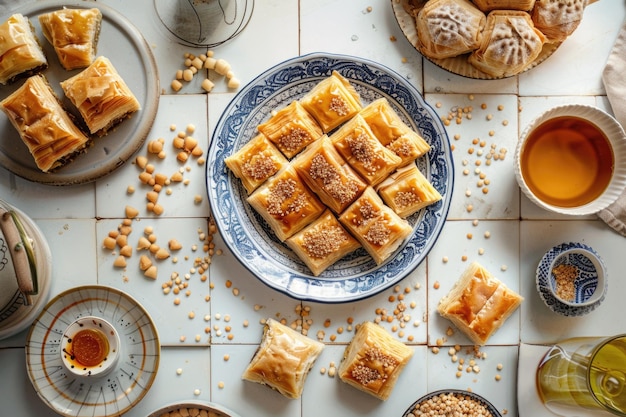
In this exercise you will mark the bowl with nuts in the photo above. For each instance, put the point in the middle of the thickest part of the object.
(193, 408)
(452, 402)
(572, 279)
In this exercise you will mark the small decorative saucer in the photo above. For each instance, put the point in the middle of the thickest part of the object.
(590, 282)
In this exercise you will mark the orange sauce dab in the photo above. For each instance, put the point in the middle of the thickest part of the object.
(89, 347)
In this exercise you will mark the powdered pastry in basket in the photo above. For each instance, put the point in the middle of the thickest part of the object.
(447, 28)
(44, 126)
(283, 359)
(509, 45)
(489, 5)
(20, 52)
(557, 19)
(373, 360)
(74, 35)
(101, 96)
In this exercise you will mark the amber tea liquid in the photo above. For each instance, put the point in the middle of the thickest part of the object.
(583, 380)
(567, 162)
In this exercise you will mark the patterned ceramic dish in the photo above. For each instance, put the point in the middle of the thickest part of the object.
(572, 279)
(457, 401)
(125, 385)
(212, 410)
(356, 276)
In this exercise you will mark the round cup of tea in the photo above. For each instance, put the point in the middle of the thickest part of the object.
(572, 160)
(90, 347)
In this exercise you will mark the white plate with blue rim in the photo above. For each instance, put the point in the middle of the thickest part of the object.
(249, 237)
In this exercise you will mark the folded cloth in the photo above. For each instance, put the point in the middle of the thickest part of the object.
(615, 86)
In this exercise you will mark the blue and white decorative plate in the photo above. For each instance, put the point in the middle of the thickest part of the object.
(250, 238)
(585, 267)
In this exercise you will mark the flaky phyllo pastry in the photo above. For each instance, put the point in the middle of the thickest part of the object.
(283, 359)
(358, 145)
(291, 129)
(74, 35)
(392, 132)
(479, 303)
(375, 225)
(44, 126)
(557, 19)
(101, 96)
(374, 360)
(332, 101)
(20, 52)
(407, 191)
(329, 175)
(286, 203)
(322, 243)
(448, 28)
(255, 162)
(509, 45)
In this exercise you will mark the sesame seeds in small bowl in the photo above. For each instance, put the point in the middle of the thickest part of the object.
(452, 402)
(572, 279)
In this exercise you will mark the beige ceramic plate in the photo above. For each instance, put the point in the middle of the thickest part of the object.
(457, 65)
(124, 45)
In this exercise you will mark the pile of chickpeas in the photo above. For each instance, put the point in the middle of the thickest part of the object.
(450, 405)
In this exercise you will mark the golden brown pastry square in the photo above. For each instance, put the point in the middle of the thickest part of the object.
(356, 142)
(47, 130)
(479, 303)
(292, 129)
(509, 45)
(322, 243)
(286, 203)
(374, 360)
(375, 225)
(20, 50)
(448, 28)
(101, 96)
(283, 359)
(329, 175)
(255, 162)
(332, 101)
(392, 132)
(73, 33)
(407, 191)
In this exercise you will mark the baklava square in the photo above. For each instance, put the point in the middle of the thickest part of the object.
(292, 129)
(283, 359)
(332, 101)
(329, 175)
(392, 132)
(479, 303)
(255, 162)
(286, 203)
(44, 126)
(20, 50)
(322, 243)
(375, 225)
(407, 191)
(356, 142)
(101, 96)
(373, 360)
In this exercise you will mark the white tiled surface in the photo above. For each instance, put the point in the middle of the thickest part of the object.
(76, 219)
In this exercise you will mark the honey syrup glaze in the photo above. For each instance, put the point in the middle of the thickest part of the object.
(87, 348)
(567, 162)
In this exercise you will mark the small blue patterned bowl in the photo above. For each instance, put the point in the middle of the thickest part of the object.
(572, 279)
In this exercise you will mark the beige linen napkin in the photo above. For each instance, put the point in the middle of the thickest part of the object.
(615, 86)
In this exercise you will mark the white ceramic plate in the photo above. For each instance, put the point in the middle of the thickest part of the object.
(458, 64)
(356, 276)
(130, 54)
(213, 409)
(108, 396)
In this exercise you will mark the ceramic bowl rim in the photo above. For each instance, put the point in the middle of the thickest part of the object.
(617, 138)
